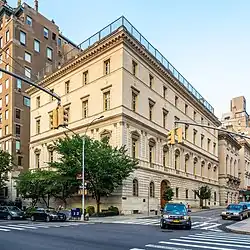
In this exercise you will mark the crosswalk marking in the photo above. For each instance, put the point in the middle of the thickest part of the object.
(211, 226)
(212, 241)
(34, 226)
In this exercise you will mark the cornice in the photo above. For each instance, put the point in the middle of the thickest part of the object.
(228, 137)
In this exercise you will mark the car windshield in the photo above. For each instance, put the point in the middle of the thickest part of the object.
(14, 209)
(175, 209)
(51, 211)
(234, 207)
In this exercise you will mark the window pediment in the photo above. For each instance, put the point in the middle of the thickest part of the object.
(37, 151)
(135, 135)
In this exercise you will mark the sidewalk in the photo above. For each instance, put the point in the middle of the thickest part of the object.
(242, 227)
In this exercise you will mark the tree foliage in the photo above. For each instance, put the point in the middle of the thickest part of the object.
(6, 165)
(168, 194)
(105, 167)
(204, 193)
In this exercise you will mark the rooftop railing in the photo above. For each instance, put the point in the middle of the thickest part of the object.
(123, 22)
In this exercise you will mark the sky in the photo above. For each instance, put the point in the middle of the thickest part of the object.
(208, 41)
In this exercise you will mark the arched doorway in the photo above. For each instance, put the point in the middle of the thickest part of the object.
(164, 185)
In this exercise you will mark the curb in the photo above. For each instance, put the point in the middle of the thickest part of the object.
(238, 231)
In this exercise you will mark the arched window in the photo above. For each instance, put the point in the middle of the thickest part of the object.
(231, 166)
(152, 189)
(186, 162)
(235, 169)
(135, 187)
(195, 165)
(227, 165)
(177, 159)
(202, 167)
(165, 156)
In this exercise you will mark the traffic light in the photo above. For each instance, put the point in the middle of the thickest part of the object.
(54, 118)
(171, 137)
(63, 116)
(179, 135)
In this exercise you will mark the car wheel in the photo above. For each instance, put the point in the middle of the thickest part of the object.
(48, 219)
(241, 217)
(9, 217)
(32, 218)
(223, 218)
(188, 227)
(162, 225)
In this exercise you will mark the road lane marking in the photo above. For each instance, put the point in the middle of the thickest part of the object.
(166, 247)
(4, 230)
(210, 243)
(221, 238)
(230, 236)
(28, 227)
(15, 228)
(201, 225)
(212, 226)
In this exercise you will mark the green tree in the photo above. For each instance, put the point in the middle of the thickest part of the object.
(105, 167)
(168, 194)
(204, 193)
(6, 165)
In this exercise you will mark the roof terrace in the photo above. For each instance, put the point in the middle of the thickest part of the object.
(123, 22)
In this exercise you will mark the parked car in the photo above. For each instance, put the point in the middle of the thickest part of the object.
(11, 212)
(248, 206)
(175, 214)
(235, 211)
(45, 214)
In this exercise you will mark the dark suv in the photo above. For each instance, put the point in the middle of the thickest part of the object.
(175, 214)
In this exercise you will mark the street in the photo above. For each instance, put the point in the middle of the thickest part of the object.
(27, 235)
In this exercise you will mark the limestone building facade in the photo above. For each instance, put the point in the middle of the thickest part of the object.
(140, 94)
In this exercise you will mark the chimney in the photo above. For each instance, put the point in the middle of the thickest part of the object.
(36, 5)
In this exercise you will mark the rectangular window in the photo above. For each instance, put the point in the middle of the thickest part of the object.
(151, 81)
(134, 101)
(202, 120)
(19, 160)
(27, 72)
(1, 58)
(1, 42)
(67, 87)
(85, 109)
(214, 148)
(51, 97)
(18, 145)
(18, 129)
(7, 53)
(49, 53)
(1, 103)
(177, 192)
(18, 84)
(194, 136)
(186, 193)
(208, 144)
(37, 46)
(1, 74)
(1, 88)
(6, 130)
(7, 36)
(194, 117)
(18, 113)
(22, 37)
(45, 32)
(134, 148)
(85, 77)
(1, 132)
(165, 92)
(186, 132)
(38, 102)
(186, 109)
(7, 84)
(7, 145)
(7, 67)
(151, 106)
(6, 99)
(53, 36)
(106, 67)
(165, 114)
(37, 155)
(6, 114)
(134, 68)
(38, 127)
(27, 57)
(26, 101)
(202, 141)
(151, 153)
(29, 20)
(59, 42)
(176, 99)
(106, 101)
(51, 120)
(1, 117)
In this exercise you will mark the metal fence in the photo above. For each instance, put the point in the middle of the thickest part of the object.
(123, 22)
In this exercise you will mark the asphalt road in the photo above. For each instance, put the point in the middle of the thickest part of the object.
(26, 235)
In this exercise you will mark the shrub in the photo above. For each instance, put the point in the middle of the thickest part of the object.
(114, 209)
(90, 210)
(104, 214)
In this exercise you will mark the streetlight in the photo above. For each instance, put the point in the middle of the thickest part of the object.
(83, 164)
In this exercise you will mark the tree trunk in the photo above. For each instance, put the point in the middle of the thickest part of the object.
(201, 203)
(44, 200)
(98, 202)
(65, 203)
(48, 199)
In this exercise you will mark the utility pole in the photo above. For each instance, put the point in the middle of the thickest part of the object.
(32, 84)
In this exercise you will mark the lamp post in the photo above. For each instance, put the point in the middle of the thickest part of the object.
(83, 161)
